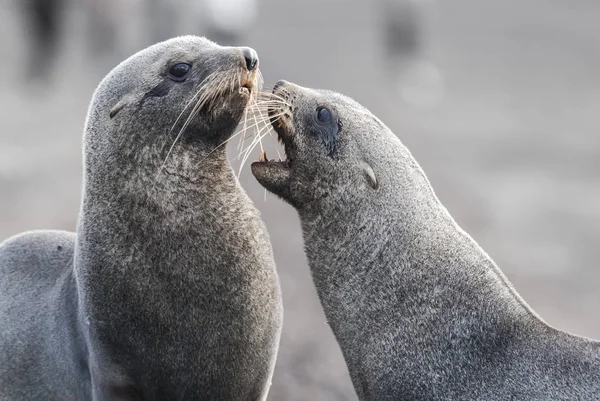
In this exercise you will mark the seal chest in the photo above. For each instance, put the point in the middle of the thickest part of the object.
(168, 289)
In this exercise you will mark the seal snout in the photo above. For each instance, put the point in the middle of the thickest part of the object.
(250, 70)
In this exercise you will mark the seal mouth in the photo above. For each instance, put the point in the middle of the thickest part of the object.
(247, 84)
(277, 175)
(281, 120)
(230, 88)
(286, 163)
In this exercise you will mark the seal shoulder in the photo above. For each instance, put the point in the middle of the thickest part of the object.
(35, 272)
(31, 264)
(41, 251)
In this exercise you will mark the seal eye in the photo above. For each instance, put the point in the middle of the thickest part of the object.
(324, 114)
(179, 71)
(325, 125)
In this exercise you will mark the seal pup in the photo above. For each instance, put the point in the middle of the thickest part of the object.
(168, 289)
(419, 310)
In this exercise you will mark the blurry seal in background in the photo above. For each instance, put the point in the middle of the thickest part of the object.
(405, 38)
(420, 311)
(228, 21)
(42, 22)
(168, 289)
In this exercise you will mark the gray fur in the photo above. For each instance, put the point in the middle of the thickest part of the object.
(168, 290)
(420, 311)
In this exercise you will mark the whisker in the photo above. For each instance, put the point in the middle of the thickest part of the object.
(245, 128)
(256, 141)
(271, 96)
(268, 102)
(252, 144)
(230, 138)
(256, 120)
(239, 147)
(243, 131)
(259, 135)
(202, 85)
(260, 79)
(269, 131)
(255, 124)
(206, 92)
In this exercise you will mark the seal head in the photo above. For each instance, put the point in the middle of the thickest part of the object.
(189, 90)
(320, 158)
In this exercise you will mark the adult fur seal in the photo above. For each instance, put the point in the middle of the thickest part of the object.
(420, 311)
(168, 289)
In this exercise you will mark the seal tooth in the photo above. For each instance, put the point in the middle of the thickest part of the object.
(263, 157)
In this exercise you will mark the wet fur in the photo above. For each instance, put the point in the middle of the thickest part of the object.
(168, 289)
(419, 310)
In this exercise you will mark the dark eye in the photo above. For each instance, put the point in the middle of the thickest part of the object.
(179, 71)
(324, 114)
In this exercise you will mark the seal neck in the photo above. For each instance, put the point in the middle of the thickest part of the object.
(401, 283)
(137, 233)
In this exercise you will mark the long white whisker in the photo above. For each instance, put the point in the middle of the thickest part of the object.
(256, 125)
(227, 140)
(253, 144)
(206, 94)
(269, 131)
(200, 90)
(266, 106)
(251, 147)
(239, 147)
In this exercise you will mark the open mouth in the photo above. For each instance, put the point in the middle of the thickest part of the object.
(262, 159)
(279, 126)
(277, 175)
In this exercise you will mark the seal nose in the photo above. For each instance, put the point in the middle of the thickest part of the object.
(251, 58)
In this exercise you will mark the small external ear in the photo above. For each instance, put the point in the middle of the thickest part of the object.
(370, 175)
(120, 104)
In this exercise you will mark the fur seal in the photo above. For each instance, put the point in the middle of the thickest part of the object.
(168, 289)
(419, 310)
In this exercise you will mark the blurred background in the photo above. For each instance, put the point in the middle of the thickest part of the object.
(499, 101)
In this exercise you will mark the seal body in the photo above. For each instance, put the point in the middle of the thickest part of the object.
(419, 310)
(168, 289)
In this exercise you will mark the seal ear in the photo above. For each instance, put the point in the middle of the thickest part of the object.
(120, 104)
(369, 174)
